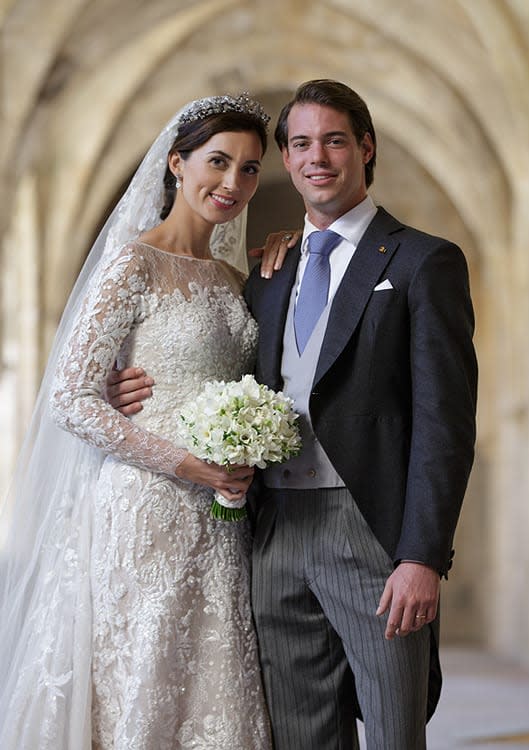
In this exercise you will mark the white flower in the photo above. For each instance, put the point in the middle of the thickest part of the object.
(240, 422)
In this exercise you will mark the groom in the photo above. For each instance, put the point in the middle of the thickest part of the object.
(368, 327)
(353, 536)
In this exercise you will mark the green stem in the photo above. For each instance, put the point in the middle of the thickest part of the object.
(221, 513)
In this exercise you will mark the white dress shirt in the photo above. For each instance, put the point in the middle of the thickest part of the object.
(351, 227)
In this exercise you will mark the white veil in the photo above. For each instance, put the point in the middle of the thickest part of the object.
(45, 615)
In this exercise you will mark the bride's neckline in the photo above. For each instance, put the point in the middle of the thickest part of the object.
(176, 255)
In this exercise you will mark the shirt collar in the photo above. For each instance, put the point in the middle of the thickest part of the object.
(351, 225)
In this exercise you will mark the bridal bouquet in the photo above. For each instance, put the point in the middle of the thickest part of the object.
(239, 422)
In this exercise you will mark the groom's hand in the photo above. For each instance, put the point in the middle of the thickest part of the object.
(125, 389)
(411, 595)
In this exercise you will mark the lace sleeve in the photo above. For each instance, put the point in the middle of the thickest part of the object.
(115, 304)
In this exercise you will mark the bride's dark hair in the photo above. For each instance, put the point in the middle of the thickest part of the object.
(192, 135)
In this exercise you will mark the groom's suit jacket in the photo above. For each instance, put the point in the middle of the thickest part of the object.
(394, 395)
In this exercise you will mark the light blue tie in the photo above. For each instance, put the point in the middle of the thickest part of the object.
(314, 290)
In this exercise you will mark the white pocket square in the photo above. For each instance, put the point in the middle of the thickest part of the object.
(386, 284)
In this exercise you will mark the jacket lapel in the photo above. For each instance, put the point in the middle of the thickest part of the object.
(375, 250)
(272, 323)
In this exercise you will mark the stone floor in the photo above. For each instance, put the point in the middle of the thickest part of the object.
(484, 704)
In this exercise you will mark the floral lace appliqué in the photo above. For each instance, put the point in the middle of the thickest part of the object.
(174, 651)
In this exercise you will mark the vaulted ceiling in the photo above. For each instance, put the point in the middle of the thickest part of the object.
(88, 84)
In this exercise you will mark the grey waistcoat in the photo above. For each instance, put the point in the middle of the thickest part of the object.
(312, 468)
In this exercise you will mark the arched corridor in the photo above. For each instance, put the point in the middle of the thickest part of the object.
(448, 87)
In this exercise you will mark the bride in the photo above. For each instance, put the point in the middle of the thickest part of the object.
(126, 618)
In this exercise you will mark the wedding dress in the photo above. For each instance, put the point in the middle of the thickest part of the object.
(174, 658)
(125, 608)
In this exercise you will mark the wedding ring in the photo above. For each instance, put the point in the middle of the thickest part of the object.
(287, 237)
(420, 617)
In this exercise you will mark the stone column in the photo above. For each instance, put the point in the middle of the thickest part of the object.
(19, 374)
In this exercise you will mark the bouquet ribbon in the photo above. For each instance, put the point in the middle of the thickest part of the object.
(228, 510)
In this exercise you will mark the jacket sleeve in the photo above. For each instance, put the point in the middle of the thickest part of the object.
(444, 382)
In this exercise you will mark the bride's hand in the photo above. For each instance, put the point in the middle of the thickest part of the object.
(232, 484)
(277, 244)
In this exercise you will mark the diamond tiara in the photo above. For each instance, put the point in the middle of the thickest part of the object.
(216, 105)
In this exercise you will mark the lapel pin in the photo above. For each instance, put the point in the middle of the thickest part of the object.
(382, 249)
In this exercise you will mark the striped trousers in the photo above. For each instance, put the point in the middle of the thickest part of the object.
(318, 574)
